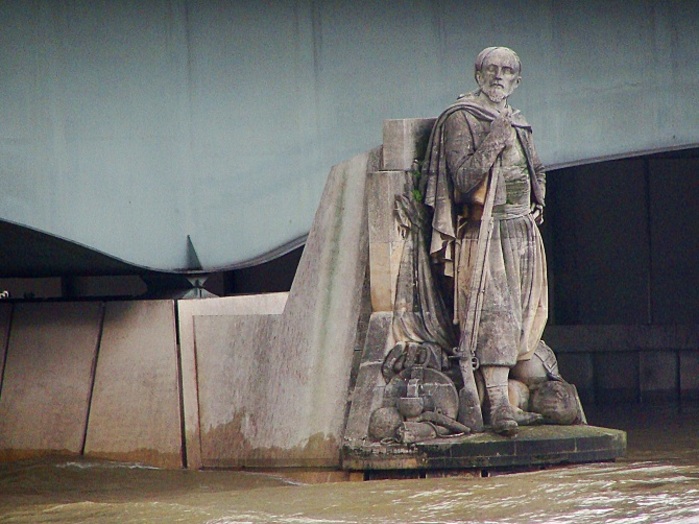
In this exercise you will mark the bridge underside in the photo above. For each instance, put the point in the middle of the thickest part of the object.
(634, 211)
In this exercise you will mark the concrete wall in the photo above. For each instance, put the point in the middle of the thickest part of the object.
(629, 363)
(188, 310)
(135, 413)
(47, 381)
(256, 381)
(92, 378)
(271, 387)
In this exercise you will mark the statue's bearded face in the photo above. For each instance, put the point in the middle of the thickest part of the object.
(499, 76)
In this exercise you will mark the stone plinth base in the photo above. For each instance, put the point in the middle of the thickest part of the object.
(533, 446)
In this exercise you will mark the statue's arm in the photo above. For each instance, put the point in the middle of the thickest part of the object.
(471, 149)
(540, 176)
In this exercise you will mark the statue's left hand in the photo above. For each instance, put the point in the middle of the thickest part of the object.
(538, 214)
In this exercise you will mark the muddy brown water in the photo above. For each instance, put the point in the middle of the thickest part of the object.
(657, 482)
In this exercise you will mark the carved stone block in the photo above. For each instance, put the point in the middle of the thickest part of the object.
(404, 140)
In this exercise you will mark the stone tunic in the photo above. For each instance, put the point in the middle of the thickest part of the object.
(515, 304)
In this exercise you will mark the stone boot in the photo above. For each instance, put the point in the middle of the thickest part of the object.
(502, 417)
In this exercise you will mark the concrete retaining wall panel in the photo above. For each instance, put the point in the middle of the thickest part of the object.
(48, 378)
(249, 391)
(135, 414)
(269, 303)
(5, 319)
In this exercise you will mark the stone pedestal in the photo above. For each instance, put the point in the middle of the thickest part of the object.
(533, 446)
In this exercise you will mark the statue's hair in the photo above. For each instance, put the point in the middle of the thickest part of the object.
(488, 50)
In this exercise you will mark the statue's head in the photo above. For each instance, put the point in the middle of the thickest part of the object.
(498, 72)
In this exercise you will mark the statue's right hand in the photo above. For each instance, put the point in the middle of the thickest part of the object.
(501, 131)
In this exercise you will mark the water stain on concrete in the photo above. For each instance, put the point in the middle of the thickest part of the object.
(227, 446)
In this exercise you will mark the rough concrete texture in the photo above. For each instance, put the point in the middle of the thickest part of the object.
(135, 413)
(270, 303)
(283, 400)
(243, 378)
(48, 378)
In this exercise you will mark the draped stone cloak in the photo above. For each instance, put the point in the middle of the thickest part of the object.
(515, 304)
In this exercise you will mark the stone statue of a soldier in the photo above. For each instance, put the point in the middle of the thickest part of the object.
(478, 139)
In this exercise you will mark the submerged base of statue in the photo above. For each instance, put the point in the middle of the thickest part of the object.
(532, 447)
(410, 423)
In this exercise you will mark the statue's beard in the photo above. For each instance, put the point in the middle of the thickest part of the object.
(495, 93)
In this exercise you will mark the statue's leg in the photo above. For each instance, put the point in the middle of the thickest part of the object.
(502, 418)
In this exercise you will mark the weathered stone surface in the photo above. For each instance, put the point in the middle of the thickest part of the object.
(404, 140)
(48, 378)
(368, 391)
(270, 303)
(379, 206)
(385, 240)
(135, 413)
(536, 445)
(284, 397)
(380, 275)
(246, 395)
(378, 338)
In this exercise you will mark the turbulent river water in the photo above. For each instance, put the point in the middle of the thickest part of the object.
(657, 482)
